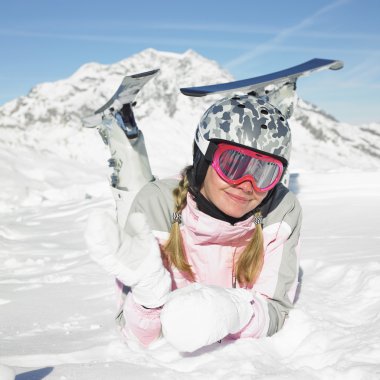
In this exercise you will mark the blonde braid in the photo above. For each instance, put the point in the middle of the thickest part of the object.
(250, 262)
(174, 248)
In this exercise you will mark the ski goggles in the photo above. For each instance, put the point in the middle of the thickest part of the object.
(236, 165)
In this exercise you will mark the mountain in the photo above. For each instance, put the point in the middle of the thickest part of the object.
(320, 142)
(48, 118)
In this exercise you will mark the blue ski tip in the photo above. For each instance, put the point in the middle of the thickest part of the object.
(247, 85)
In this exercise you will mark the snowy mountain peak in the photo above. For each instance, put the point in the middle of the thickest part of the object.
(49, 117)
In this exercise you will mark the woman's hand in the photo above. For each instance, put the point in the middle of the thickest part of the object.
(199, 315)
(133, 256)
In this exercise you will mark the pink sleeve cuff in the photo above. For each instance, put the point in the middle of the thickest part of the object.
(144, 323)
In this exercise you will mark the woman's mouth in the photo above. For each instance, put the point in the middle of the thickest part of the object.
(237, 198)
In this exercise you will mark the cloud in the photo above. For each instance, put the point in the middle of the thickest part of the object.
(364, 74)
(317, 51)
(232, 29)
(250, 29)
(282, 36)
(149, 40)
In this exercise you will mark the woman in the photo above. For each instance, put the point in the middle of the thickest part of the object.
(221, 261)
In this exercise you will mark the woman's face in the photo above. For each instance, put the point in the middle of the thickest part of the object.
(233, 200)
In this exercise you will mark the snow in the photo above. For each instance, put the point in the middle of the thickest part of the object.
(57, 306)
(6, 373)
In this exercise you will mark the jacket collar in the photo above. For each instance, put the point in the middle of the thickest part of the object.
(208, 230)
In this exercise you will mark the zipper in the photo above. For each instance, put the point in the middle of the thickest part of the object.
(233, 270)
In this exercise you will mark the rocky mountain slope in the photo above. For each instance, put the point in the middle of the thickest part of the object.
(48, 118)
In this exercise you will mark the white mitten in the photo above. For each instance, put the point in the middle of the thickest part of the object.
(134, 257)
(199, 315)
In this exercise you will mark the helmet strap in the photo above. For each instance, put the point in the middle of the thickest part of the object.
(211, 149)
(200, 167)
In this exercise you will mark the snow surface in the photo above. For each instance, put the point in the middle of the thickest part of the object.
(57, 307)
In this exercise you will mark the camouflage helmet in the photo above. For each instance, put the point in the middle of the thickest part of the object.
(247, 121)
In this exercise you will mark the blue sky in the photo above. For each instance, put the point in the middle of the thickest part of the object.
(47, 40)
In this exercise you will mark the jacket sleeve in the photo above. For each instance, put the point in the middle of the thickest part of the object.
(136, 322)
(156, 201)
(140, 324)
(275, 290)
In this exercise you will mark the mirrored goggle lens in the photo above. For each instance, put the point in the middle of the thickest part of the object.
(236, 165)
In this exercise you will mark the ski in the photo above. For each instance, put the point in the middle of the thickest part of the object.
(279, 87)
(252, 84)
(122, 100)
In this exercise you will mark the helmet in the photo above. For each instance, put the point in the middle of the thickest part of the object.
(247, 121)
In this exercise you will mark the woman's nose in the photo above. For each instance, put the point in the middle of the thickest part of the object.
(246, 186)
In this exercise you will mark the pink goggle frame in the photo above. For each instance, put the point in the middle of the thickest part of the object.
(236, 165)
